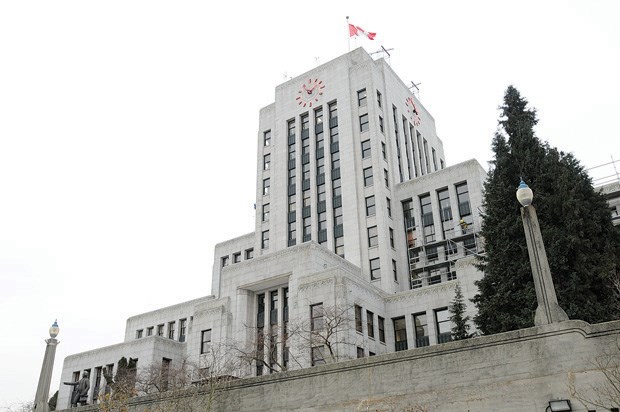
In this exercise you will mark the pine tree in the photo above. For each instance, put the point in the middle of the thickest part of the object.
(575, 224)
(457, 307)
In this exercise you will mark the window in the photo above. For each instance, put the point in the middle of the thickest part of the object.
(265, 240)
(364, 123)
(171, 330)
(368, 176)
(365, 149)
(370, 206)
(165, 371)
(386, 178)
(149, 331)
(237, 257)
(360, 352)
(225, 261)
(160, 330)
(317, 356)
(444, 330)
(375, 269)
(400, 334)
(394, 271)
(443, 165)
(358, 319)
(434, 159)
(381, 124)
(249, 254)
(373, 239)
(267, 138)
(427, 218)
(381, 322)
(316, 316)
(139, 333)
(265, 212)
(371, 353)
(205, 340)
(391, 237)
(383, 151)
(182, 330)
(389, 206)
(361, 97)
(421, 330)
(428, 166)
(266, 161)
(379, 98)
(370, 323)
(266, 184)
(462, 194)
(445, 212)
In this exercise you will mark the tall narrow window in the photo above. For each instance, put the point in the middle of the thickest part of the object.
(160, 330)
(364, 123)
(370, 206)
(358, 318)
(267, 138)
(386, 178)
(266, 161)
(266, 185)
(370, 323)
(389, 206)
(318, 358)
(381, 322)
(421, 330)
(265, 212)
(365, 149)
(434, 159)
(463, 198)
(444, 330)
(205, 340)
(368, 176)
(265, 240)
(383, 151)
(379, 99)
(391, 237)
(182, 330)
(445, 212)
(394, 271)
(427, 218)
(171, 330)
(381, 124)
(375, 269)
(400, 334)
(373, 239)
(361, 97)
(316, 317)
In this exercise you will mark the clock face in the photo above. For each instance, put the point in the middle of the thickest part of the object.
(414, 113)
(310, 92)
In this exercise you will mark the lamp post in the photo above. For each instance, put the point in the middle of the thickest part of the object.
(43, 389)
(548, 310)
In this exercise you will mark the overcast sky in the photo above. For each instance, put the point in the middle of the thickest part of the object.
(128, 133)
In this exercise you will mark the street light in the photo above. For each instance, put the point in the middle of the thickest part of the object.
(548, 310)
(43, 388)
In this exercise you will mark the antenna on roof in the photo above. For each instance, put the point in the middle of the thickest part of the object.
(415, 89)
(383, 52)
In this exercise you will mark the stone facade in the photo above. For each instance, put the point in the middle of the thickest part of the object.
(356, 211)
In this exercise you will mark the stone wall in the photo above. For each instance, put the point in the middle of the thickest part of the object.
(515, 371)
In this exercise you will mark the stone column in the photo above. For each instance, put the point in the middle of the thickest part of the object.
(43, 389)
(548, 310)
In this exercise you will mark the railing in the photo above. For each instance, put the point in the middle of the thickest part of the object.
(444, 337)
(422, 341)
(402, 345)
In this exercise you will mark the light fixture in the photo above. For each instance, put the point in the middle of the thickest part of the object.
(560, 405)
(524, 194)
(54, 330)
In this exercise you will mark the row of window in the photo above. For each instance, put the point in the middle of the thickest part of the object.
(236, 257)
(97, 377)
(370, 324)
(421, 332)
(171, 332)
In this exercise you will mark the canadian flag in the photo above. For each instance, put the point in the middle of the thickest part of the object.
(358, 31)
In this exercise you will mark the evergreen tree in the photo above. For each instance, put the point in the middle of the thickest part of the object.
(460, 330)
(575, 224)
(52, 402)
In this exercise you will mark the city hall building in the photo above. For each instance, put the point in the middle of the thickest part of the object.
(360, 223)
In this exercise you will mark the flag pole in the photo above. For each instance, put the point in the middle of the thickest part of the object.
(349, 35)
